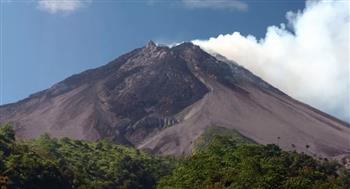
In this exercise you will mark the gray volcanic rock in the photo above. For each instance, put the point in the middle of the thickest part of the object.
(162, 99)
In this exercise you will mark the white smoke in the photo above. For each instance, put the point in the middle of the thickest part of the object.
(308, 58)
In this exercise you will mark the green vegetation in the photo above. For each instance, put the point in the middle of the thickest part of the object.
(210, 133)
(65, 163)
(224, 163)
(223, 159)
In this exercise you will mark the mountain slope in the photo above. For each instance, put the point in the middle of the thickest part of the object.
(162, 99)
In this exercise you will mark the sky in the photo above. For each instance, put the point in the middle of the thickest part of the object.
(45, 41)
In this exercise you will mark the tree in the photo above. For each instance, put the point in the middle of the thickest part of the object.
(7, 133)
(132, 173)
(225, 164)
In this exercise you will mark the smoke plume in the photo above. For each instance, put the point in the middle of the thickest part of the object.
(308, 57)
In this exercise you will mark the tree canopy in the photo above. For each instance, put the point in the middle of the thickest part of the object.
(220, 161)
(224, 163)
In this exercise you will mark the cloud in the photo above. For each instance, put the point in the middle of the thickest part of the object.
(308, 58)
(62, 6)
(216, 4)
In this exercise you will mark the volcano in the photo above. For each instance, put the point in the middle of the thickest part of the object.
(162, 99)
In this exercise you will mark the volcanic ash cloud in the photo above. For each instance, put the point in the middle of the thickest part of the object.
(308, 58)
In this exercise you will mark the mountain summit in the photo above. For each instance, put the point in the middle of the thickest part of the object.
(162, 99)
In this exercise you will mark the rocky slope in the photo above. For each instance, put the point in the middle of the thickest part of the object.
(162, 99)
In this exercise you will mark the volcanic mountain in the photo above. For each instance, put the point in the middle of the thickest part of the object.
(162, 99)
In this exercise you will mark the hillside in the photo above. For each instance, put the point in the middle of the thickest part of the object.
(162, 99)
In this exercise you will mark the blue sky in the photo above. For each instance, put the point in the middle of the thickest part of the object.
(41, 47)
(46, 41)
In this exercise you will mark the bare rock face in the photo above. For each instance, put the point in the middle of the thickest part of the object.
(162, 99)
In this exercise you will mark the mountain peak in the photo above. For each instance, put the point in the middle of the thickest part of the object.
(151, 44)
(187, 45)
(162, 99)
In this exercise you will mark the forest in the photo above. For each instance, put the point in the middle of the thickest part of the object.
(220, 160)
